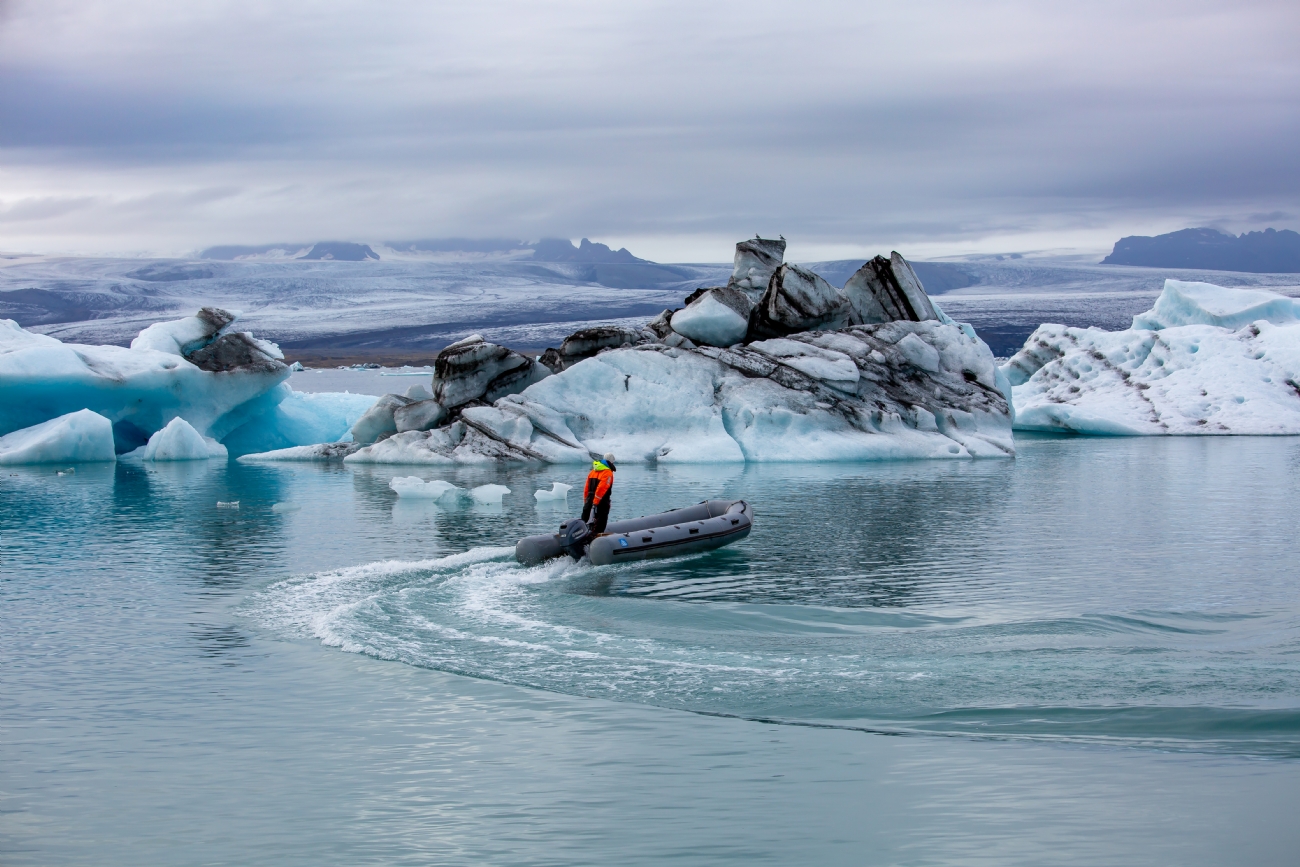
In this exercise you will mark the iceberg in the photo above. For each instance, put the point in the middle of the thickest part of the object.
(78, 437)
(413, 487)
(863, 393)
(872, 371)
(559, 492)
(1204, 360)
(298, 419)
(216, 388)
(179, 441)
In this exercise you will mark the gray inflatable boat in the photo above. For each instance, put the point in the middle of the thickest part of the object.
(703, 527)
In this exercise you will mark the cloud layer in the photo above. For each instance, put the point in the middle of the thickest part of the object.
(669, 127)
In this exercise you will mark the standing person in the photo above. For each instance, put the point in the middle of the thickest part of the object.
(600, 485)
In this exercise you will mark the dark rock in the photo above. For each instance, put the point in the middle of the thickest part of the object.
(797, 300)
(470, 368)
(887, 290)
(215, 317)
(587, 342)
(659, 326)
(237, 351)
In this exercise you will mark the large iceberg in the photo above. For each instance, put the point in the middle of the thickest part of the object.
(779, 365)
(1204, 359)
(898, 390)
(140, 389)
(78, 437)
(225, 386)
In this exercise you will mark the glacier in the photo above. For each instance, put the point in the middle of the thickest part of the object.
(1204, 360)
(82, 436)
(872, 371)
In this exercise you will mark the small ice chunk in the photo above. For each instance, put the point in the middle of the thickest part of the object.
(285, 507)
(68, 472)
(179, 441)
(417, 488)
(488, 495)
(419, 392)
(76, 437)
(297, 367)
(558, 491)
(232, 504)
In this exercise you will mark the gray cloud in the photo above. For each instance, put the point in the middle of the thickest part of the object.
(840, 125)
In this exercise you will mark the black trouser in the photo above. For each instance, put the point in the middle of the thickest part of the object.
(597, 526)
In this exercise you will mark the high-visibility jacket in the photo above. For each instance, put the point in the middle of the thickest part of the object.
(599, 481)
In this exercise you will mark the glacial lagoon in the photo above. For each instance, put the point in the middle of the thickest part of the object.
(1089, 654)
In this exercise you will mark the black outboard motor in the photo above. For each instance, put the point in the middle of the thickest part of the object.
(574, 536)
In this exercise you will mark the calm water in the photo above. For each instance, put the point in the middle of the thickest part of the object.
(1093, 653)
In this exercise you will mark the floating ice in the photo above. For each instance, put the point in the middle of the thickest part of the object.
(78, 437)
(1178, 371)
(138, 390)
(558, 491)
(1206, 304)
(281, 508)
(179, 441)
(488, 495)
(223, 504)
(922, 390)
(415, 487)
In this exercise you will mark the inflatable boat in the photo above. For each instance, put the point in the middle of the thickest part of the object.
(703, 527)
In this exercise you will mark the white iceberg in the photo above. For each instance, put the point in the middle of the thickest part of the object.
(416, 488)
(179, 441)
(558, 492)
(488, 495)
(1204, 360)
(78, 437)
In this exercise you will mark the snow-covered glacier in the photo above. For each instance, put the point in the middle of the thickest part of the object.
(227, 388)
(795, 369)
(1204, 359)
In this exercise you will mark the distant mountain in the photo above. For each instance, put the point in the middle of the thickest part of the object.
(230, 252)
(341, 251)
(1267, 252)
(545, 250)
(562, 250)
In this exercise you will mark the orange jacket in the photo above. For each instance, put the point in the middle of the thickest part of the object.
(599, 481)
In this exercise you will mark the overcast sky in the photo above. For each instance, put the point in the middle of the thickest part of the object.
(674, 128)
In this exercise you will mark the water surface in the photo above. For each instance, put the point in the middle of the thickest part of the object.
(1091, 652)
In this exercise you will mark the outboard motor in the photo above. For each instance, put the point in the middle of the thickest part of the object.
(574, 536)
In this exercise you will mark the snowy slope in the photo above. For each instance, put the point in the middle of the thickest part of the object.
(390, 304)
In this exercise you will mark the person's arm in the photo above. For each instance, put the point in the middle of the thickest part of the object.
(606, 482)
